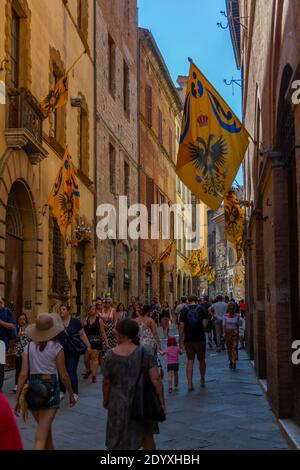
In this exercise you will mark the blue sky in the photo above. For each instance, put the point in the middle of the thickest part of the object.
(188, 28)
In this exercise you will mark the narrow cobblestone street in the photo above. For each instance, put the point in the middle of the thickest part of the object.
(230, 413)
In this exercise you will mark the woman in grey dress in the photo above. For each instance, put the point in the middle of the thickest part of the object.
(120, 369)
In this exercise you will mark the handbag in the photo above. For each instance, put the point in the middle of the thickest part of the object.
(38, 395)
(146, 405)
(77, 346)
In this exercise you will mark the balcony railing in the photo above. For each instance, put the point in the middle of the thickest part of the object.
(25, 124)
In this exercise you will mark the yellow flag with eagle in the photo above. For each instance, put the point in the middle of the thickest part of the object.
(213, 142)
(193, 262)
(234, 217)
(64, 200)
(59, 96)
(211, 278)
(56, 98)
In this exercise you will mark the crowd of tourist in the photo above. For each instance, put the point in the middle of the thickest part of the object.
(125, 343)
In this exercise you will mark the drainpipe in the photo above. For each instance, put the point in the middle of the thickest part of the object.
(95, 141)
(139, 148)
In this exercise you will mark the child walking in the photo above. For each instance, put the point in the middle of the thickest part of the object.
(172, 352)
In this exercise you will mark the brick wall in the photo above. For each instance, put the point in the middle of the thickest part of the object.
(156, 161)
(115, 128)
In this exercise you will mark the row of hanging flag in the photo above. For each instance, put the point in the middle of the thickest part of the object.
(212, 146)
(64, 200)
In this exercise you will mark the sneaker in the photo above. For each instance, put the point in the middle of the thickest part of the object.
(76, 397)
(94, 380)
(61, 395)
(15, 389)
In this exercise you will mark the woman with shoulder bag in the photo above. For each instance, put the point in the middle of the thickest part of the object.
(95, 332)
(75, 343)
(43, 361)
(121, 369)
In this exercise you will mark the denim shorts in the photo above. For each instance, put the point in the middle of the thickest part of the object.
(53, 382)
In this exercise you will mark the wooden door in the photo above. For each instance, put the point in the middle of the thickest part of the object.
(14, 273)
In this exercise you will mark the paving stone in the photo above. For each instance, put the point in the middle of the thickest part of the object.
(230, 413)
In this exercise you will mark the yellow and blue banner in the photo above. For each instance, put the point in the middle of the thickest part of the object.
(64, 200)
(56, 98)
(234, 217)
(213, 142)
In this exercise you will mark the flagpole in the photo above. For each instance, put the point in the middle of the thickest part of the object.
(74, 63)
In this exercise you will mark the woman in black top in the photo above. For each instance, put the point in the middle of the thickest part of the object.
(165, 318)
(73, 328)
(94, 329)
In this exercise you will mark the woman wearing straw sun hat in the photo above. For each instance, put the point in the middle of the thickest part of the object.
(43, 361)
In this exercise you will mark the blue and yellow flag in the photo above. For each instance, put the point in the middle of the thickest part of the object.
(211, 278)
(213, 142)
(64, 199)
(56, 98)
(196, 263)
(234, 217)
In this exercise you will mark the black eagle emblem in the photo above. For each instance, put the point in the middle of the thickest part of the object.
(209, 157)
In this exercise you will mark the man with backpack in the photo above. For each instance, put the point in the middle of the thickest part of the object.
(7, 332)
(193, 322)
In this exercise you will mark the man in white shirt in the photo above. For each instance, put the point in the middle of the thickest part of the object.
(218, 310)
(183, 303)
(2, 362)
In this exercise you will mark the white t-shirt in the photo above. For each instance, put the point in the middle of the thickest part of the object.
(220, 308)
(2, 353)
(43, 362)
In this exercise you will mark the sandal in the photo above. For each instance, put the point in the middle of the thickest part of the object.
(86, 374)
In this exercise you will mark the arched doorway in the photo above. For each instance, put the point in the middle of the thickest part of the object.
(286, 142)
(171, 289)
(178, 292)
(80, 281)
(184, 292)
(162, 297)
(148, 284)
(20, 250)
(189, 289)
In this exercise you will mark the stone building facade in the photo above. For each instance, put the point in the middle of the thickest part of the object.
(159, 107)
(117, 138)
(229, 273)
(183, 196)
(39, 40)
(268, 50)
